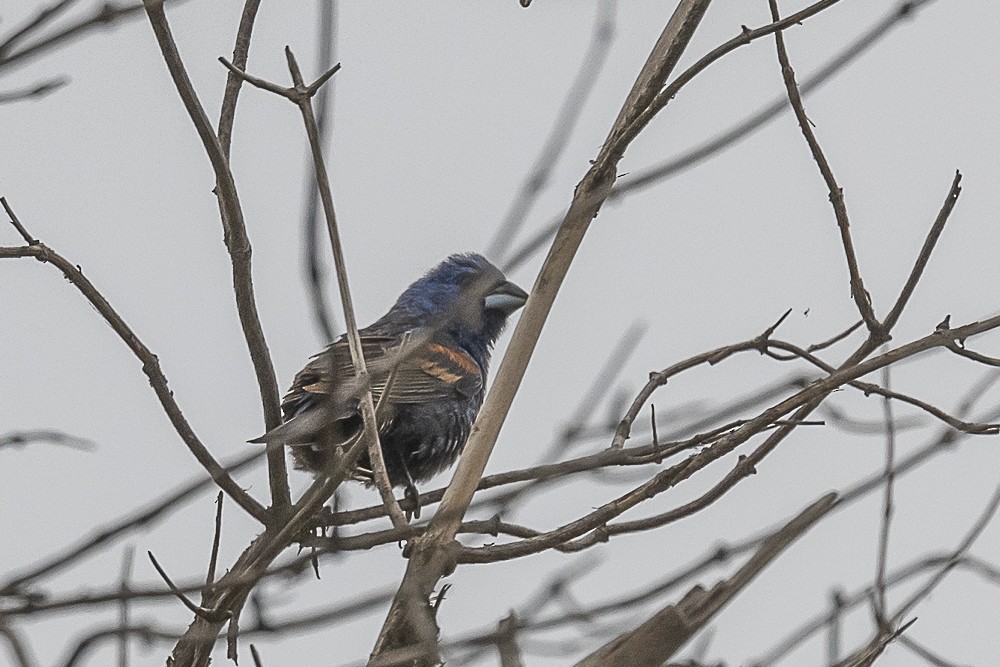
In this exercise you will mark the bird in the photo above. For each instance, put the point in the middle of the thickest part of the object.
(429, 354)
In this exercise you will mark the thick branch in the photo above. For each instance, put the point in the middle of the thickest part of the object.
(432, 554)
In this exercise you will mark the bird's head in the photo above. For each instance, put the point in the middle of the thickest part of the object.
(467, 297)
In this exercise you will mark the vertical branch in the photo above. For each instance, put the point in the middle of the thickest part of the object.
(315, 272)
(432, 556)
(861, 297)
(237, 243)
(213, 558)
(510, 653)
(233, 83)
(124, 621)
(834, 629)
(304, 102)
(887, 507)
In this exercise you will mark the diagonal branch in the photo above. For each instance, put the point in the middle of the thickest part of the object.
(301, 95)
(45, 15)
(315, 269)
(645, 178)
(108, 533)
(104, 15)
(861, 297)
(659, 638)
(432, 555)
(237, 243)
(150, 366)
(566, 119)
(925, 252)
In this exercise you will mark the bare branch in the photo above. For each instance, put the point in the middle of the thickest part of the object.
(659, 379)
(656, 640)
(150, 366)
(107, 534)
(106, 14)
(28, 238)
(881, 615)
(22, 438)
(925, 252)
(241, 53)
(562, 129)
(861, 297)
(315, 271)
(974, 356)
(201, 612)
(645, 178)
(124, 620)
(237, 243)
(213, 558)
(39, 90)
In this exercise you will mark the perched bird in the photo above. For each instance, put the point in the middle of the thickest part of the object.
(432, 350)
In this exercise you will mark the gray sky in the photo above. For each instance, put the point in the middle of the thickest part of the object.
(440, 110)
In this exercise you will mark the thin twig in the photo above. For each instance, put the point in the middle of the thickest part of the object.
(315, 271)
(869, 389)
(201, 612)
(881, 616)
(124, 621)
(106, 535)
(22, 438)
(925, 252)
(36, 91)
(237, 243)
(104, 15)
(816, 347)
(241, 53)
(658, 379)
(974, 356)
(28, 238)
(45, 15)
(302, 95)
(538, 176)
(861, 297)
(150, 366)
(213, 559)
(646, 178)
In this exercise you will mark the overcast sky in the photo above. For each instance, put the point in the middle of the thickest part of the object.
(440, 110)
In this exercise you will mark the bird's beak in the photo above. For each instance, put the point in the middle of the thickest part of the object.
(506, 297)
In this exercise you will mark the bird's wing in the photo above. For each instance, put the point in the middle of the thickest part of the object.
(430, 372)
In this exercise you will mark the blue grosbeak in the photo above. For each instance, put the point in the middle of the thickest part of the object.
(432, 349)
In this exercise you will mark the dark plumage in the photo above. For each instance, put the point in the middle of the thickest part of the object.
(438, 336)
